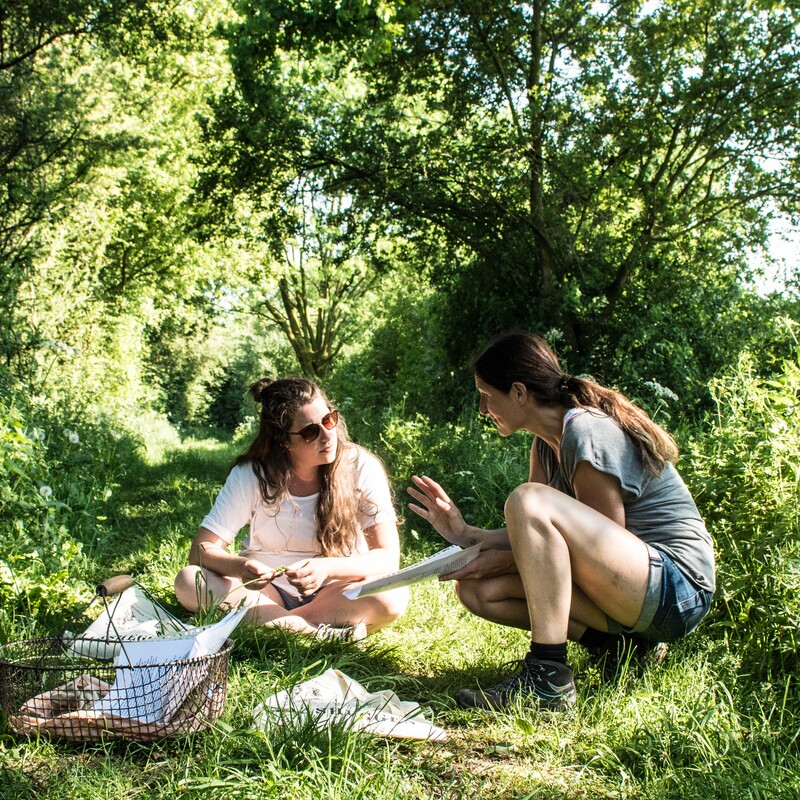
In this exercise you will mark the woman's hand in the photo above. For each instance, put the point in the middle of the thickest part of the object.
(438, 509)
(488, 564)
(308, 576)
(255, 575)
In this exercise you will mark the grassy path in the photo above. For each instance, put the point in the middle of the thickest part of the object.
(685, 730)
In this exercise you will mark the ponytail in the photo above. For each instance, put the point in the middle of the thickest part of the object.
(527, 359)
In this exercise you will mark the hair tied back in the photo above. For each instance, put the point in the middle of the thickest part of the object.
(258, 389)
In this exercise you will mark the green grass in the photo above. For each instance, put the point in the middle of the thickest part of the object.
(698, 726)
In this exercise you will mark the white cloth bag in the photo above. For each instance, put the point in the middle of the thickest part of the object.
(131, 617)
(333, 697)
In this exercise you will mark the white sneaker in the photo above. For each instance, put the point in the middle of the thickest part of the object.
(349, 633)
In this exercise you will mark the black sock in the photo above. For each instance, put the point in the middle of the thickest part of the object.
(594, 638)
(550, 652)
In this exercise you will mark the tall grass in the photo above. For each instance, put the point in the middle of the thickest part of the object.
(745, 470)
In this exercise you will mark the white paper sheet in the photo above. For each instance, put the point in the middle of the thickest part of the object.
(448, 560)
(154, 688)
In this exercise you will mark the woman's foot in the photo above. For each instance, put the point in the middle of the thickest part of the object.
(547, 685)
(348, 633)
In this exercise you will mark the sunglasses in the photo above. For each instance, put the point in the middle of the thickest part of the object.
(311, 432)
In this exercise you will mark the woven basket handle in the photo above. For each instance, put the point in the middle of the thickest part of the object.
(115, 585)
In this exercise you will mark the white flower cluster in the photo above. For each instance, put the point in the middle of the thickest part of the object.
(662, 392)
(59, 347)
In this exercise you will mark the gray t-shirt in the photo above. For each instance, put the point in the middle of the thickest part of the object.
(658, 509)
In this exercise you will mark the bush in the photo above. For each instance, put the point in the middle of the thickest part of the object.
(57, 475)
(745, 474)
(474, 465)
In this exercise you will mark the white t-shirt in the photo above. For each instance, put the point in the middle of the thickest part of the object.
(282, 535)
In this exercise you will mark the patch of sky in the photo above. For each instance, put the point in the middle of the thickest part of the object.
(777, 268)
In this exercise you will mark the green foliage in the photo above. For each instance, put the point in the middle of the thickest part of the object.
(745, 471)
(476, 467)
(400, 363)
(599, 171)
(58, 473)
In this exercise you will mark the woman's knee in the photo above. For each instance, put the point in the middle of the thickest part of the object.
(529, 501)
(396, 603)
(187, 584)
(470, 596)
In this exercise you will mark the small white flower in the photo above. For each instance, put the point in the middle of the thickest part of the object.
(663, 392)
(74, 438)
(45, 491)
(37, 434)
(778, 427)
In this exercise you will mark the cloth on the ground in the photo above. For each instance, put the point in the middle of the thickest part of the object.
(333, 697)
(131, 617)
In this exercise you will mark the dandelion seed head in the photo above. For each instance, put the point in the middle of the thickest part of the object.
(45, 491)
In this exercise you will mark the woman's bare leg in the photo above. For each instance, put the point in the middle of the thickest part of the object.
(560, 544)
(198, 588)
(502, 600)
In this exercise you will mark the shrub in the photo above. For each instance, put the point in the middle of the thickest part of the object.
(474, 465)
(58, 473)
(745, 473)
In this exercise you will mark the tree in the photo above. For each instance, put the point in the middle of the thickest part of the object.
(96, 211)
(580, 152)
(330, 263)
(54, 131)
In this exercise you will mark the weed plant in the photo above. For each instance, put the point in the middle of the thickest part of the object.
(745, 471)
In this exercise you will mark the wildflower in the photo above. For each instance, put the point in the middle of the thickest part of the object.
(662, 392)
(45, 491)
(74, 438)
(37, 434)
(778, 427)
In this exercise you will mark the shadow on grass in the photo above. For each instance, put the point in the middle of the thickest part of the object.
(162, 500)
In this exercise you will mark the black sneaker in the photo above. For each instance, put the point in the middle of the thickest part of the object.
(548, 685)
(622, 649)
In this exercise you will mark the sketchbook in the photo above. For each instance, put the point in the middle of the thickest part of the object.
(448, 560)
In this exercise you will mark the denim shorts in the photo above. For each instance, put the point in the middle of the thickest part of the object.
(673, 605)
(292, 601)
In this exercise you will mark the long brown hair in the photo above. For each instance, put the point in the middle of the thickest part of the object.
(339, 499)
(527, 359)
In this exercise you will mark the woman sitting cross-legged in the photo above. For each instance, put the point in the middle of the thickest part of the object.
(321, 518)
(603, 545)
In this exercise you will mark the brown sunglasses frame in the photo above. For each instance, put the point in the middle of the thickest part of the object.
(316, 427)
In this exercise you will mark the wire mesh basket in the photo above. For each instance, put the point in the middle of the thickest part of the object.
(66, 687)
